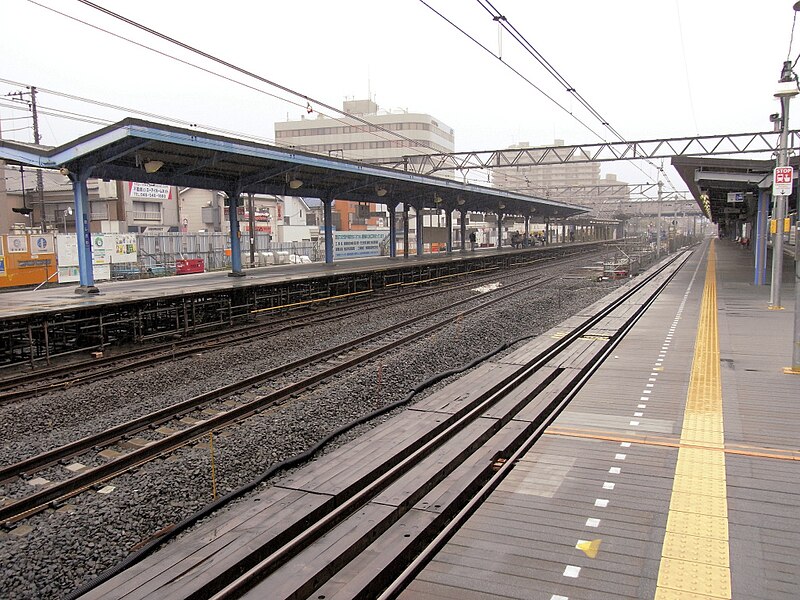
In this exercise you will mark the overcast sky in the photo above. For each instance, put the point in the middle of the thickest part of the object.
(652, 69)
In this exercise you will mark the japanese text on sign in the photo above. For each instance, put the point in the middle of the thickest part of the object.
(782, 181)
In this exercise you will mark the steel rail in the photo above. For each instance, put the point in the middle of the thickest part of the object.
(400, 581)
(15, 509)
(345, 506)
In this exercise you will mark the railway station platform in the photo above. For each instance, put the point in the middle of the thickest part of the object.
(673, 474)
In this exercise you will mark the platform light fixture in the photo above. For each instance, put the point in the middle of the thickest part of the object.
(152, 166)
(295, 183)
(461, 201)
(380, 191)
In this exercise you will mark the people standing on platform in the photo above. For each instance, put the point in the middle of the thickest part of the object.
(472, 240)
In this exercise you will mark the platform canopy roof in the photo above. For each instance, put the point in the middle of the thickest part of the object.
(131, 149)
(715, 178)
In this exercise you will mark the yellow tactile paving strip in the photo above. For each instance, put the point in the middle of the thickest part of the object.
(694, 557)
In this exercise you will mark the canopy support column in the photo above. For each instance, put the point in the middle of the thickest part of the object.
(760, 277)
(327, 226)
(236, 243)
(80, 192)
(463, 224)
(448, 219)
(499, 229)
(405, 229)
(392, 229)
(420, 243)
(526, 235)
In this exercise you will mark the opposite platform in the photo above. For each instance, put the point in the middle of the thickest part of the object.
(673, 473)
(25, 303)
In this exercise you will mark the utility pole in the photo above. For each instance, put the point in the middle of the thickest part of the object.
(36, 139)
(658, 221)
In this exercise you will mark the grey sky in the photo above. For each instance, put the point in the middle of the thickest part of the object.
(626, 57)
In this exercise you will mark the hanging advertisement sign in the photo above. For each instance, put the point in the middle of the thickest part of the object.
(152, 191)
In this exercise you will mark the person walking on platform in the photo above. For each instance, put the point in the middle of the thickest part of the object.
(472, 240)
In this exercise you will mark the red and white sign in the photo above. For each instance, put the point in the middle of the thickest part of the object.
(782, 181)
(152, 191)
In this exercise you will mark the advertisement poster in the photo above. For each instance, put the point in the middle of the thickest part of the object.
(356, 244)
(2, 266)
(107, 249)
(17, 243)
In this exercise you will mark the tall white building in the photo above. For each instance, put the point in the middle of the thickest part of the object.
(345, 137)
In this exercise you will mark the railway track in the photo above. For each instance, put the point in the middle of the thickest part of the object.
(195, 417)
(362, 529)
(76, 373)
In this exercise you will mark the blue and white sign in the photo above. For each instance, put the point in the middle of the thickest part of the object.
(42, 244)
(735, 197)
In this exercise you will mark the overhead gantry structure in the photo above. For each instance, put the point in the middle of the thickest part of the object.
(147, 152)
(708, 145)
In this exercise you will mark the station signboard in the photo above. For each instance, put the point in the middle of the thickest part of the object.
(735, 197)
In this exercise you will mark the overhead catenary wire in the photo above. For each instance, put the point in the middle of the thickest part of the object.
(514, 32)
(503, 21)
(412, 142)
(686, 67)
(523, 41)
(371, 128)
(508, 66)
(305, 97)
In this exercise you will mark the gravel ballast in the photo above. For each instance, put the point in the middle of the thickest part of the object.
(57, 551)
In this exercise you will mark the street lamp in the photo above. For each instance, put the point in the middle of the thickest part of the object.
(67, 213)
(787, 89)
(795, 368)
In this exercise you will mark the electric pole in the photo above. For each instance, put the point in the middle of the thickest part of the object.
(658, 221)
(36, 140)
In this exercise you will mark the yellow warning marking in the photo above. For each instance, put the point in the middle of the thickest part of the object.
(700, 454)
(558, 335)
(694, 556)
(590, 549)
(595, 338)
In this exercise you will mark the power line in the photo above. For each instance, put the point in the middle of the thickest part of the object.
(505, 24)
(195, 66)
(508, 66)
(522, 40)
(413, 142)
(308, 99)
